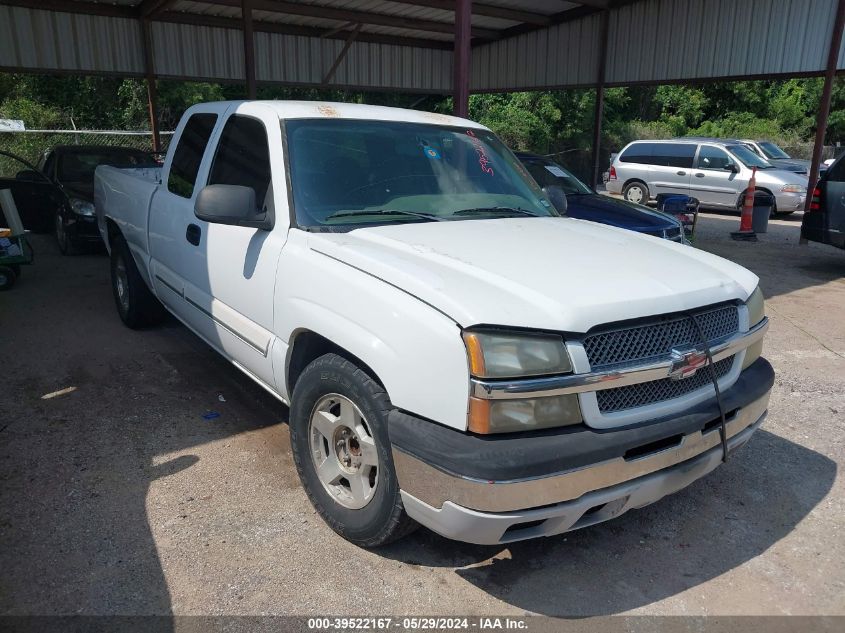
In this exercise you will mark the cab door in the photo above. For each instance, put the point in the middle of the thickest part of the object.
(230, 271)
(172, 209)
(713, 182)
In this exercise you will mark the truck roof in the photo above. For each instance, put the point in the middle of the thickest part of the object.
(330, 110)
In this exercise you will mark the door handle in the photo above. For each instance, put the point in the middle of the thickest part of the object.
(699, 175)
(681, 173)
(193, 234)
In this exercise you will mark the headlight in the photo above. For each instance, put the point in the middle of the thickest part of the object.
(523, 414)
(794, 189)
(509, 355)
(492, 355)
(756, 312)
(81, 207)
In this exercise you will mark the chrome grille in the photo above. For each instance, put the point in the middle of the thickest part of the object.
(654, 340)
(644, 393)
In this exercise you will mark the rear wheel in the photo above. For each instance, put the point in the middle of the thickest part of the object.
(7, 277)
(136, 305)
(636, 192)
(338, 427)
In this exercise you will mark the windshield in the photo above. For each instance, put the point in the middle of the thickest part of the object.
(748, 158)
(548, 173)
(348, 172)
(771, 150)
(78, 166)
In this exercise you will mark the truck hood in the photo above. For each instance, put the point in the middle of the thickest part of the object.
(547, 273)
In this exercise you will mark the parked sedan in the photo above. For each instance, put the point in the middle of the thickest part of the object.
(585, 204)
(825, 220)
(72, 167)
(37, 198)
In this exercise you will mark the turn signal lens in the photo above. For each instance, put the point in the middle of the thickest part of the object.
(475, 354)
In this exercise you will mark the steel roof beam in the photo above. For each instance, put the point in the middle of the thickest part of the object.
(359, 17)
(69, 6)
(150, 8)
(178, 17)
(488, 10)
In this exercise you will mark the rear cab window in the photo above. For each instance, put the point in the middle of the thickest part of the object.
(188, 154)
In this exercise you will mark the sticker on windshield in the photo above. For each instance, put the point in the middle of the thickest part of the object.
(556, 171)
(482, 155)
(431, 152)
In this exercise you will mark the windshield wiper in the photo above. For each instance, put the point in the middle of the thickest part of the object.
(423, 216)
(509, 210)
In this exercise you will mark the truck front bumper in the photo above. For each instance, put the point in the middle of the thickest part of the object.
(499, 489)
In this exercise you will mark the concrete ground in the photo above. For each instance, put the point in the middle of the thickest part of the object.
(118, 497)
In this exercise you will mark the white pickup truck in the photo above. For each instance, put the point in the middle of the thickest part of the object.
(454, 352)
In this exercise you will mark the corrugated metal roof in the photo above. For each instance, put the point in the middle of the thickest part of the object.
(649, 41)
(63, 41)
(185, 50)
(306, 60)
(562, 55)
(718, 38)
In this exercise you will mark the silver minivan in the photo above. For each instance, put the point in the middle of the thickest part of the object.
(714, 172)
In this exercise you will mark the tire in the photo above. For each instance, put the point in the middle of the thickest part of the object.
(67, 246)
(16, 268)
(335, 397)
(636, 192)
(7, 278)
(136, 305)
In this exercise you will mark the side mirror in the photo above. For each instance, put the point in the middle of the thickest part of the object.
(731, 168)
(557, 198)
(30, 175)
(231, 204)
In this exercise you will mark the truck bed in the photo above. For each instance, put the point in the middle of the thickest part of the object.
(124, 196)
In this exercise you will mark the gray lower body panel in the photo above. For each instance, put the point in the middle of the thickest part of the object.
(485, 527)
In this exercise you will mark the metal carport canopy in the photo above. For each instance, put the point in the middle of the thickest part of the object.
(439, 46)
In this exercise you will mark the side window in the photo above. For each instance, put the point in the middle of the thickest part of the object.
(836, 173)
(188, 154)
(638, 153)
(713, 158)
(243, 158)
(674, 154)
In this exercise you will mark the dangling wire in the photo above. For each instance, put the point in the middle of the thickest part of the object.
(723, 432)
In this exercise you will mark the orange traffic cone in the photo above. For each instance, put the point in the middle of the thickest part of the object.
(746, 232)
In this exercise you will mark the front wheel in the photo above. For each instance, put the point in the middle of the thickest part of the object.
(338, 428)
(636, 192)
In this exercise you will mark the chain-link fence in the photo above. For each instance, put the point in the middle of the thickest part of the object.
(30, 144)
(805, 151)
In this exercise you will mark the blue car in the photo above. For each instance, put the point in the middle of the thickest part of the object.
(585, 204)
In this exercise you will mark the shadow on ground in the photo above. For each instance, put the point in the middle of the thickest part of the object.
(647, 555)
(799, 266)
(76, 468)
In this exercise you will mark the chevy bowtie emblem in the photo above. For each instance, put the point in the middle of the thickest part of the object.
(686, 362)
